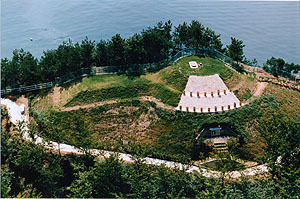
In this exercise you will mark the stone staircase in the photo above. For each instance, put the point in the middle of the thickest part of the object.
(221, 147)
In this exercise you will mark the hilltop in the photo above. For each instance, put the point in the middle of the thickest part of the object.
(136, 115)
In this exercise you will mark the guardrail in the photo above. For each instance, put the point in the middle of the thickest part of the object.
(23, 89)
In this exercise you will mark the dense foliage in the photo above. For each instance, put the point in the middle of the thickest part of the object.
(27, 170)
(278, 67)
(235, 50)
(153, 44)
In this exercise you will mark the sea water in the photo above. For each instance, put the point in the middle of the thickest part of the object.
(267, 28)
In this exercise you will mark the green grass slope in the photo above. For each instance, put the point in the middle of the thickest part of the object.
(142, 128)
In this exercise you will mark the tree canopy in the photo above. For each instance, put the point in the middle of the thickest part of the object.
(235, 50)
(277, 66)
(152, 44)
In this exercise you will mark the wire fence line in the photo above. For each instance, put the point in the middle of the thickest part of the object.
(132, 69)
(24, 89)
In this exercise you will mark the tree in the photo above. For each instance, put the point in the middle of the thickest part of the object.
(292, 67)
(86, 52)
(117, 50)
(282, 153)
(23, 70)
(49, 65)
(102, 54)
(274, 66)
(28, 67)
(235, 50)
(180, 35)
(104, 180)
(213, 40)
(68, 58)
(196, 35)
(9, 74)
(135, 52)
(157, 42)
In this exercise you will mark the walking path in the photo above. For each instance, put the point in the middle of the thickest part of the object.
(15, 112)
(87, 106)
(260, 88)
(158, 103)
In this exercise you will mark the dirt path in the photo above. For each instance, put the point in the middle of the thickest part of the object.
(87, 106)
(157, 102)
(260, 88)
(142, 99)
(56, 95)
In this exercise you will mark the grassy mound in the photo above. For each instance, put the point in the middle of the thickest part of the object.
(141, 128)
(165, 85)
(177, 75)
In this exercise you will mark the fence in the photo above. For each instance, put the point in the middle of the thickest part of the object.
(73, 75)
(135, 69)
(23, 89)
(132, 69)
(156, 66)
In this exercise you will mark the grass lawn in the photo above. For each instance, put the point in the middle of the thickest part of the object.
(165, 85)
(177, 75)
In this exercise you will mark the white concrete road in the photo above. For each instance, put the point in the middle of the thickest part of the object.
(15, 111)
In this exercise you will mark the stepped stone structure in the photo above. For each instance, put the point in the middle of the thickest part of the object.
(205, 94)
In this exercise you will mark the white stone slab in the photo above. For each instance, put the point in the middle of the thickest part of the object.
(193, 64)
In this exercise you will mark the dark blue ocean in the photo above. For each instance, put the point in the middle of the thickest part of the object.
(267, 28)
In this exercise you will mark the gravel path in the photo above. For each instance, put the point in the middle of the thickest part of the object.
(15, 112)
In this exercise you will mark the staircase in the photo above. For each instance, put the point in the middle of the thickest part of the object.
(221, 147)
